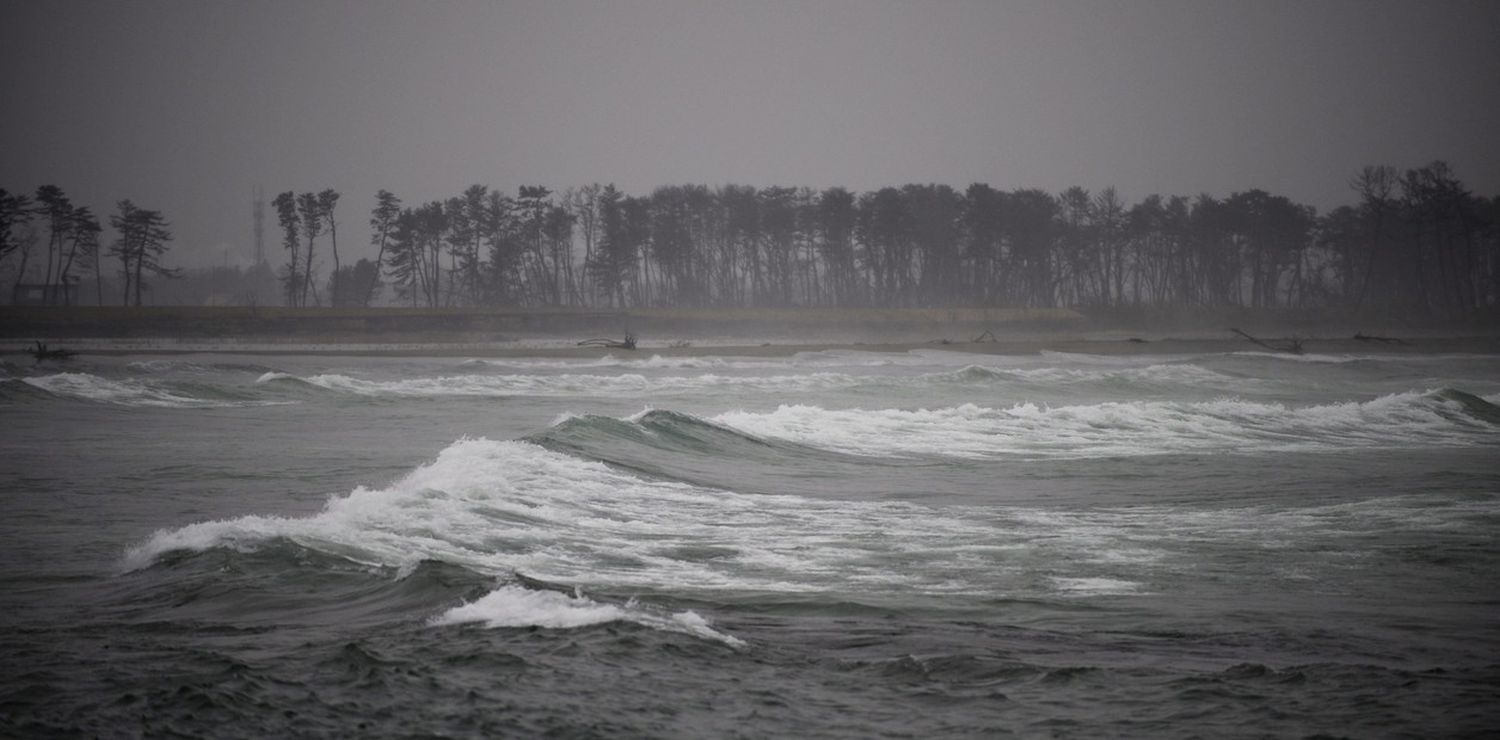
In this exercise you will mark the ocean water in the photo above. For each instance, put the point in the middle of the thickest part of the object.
(831, 544)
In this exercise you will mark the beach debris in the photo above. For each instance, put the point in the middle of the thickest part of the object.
(41, 352)
(1137, 340)
(987, 336)
(627, 343)
(1292, 345)
(1371, 338)
(944, 340)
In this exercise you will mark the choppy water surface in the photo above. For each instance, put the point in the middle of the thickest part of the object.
(834, 544)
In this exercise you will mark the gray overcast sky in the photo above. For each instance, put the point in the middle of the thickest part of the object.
(185, 106)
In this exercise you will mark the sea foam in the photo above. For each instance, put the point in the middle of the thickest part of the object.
(562, 385)
(515, 606)
(506, 507)
(1128, 428)
(128, 392)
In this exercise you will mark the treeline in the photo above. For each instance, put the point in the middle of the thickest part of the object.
(1417, 241)
(72, 247)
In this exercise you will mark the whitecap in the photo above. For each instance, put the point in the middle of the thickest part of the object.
(515, 606)
(1096, 586)
(131, 392)
(1131, 428)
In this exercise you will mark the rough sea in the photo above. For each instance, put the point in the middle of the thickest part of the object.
(834, 544)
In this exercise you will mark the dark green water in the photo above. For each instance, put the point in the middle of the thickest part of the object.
(930, 544)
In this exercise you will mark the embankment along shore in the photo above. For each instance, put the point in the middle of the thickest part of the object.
(555, 332)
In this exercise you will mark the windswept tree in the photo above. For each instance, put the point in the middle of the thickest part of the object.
(466, 229)
(583, 205)
(833, 228)
(1270, 232)
(57, 213)
(404, 265)
(1031, 230)
(1109, 219)
(328, 200)
(1444, 252)
(614, 256)
(1370, 256)
(416, 249)
(310, 211)
(884, 228)
(532, 204)
(15, 212)
(382, 223)
(672, 247)
(496, 226)
(83, 234)
(432, 225)
(557, 234)
(141, 241)
(90, 257)
(778, 229)
(935, 220)
(291, 225)
(982, 229)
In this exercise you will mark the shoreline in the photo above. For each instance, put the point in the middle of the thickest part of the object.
(768, 332)
(558, 347)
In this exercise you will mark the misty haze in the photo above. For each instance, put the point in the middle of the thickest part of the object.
(800, 368)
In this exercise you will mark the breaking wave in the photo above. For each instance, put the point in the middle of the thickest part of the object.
(503, 508)
(517, 606)
(1446, 417)
(564, 385)
(137, 391)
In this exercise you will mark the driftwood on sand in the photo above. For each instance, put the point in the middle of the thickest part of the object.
(41, 352)
(1370, 338)
(1291, 346)
(627, 343)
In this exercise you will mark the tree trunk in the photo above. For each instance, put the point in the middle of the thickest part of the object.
(333, 237)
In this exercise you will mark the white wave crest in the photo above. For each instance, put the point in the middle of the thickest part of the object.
(502, 508)
(654, 362)
(507, 507)
(564, 385)
(514, 606)
(1096, 586)
(1167, 375)
(132, 392)
(1308, 357)
(1123, 428)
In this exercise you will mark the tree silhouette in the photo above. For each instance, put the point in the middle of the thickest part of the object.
(291, 224)
(1420, 239)
(328, 200)
(141, 241)
(382, 222)
(15, 211)
(310, 212)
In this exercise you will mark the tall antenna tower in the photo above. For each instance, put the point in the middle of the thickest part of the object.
(258, 210)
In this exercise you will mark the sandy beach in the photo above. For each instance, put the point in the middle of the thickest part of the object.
(566, 347)
(725, 332)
